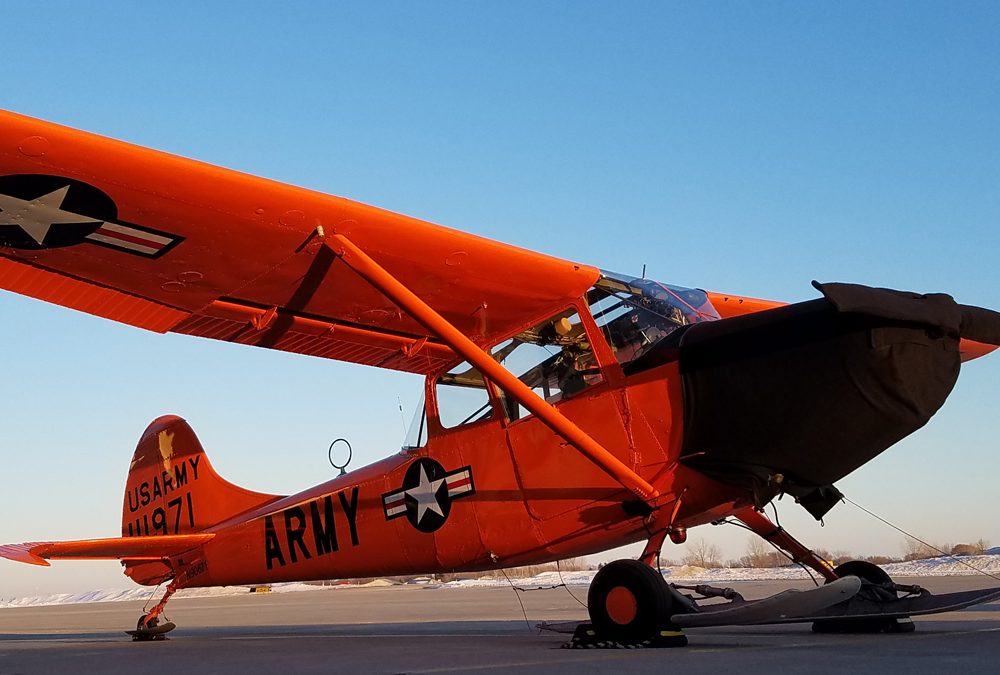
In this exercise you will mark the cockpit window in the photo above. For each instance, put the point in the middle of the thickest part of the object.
(462, 397)
(554, 358)
(634, 314)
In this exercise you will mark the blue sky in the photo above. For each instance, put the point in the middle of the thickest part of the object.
(739, 147)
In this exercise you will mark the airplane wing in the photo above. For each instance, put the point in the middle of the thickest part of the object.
(114, 548)
(171, 244)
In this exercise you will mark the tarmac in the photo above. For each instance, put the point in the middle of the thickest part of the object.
(413, 629)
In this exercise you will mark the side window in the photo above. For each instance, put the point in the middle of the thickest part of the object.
(462, 397)
(554, 358)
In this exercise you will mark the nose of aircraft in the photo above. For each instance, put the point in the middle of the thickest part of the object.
(792, 399)
(980, 331)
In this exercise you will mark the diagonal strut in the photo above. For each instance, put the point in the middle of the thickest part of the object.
(383, 280)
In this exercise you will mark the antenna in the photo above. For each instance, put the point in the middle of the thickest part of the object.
(402, 417)
(643, 270)
(350, 455)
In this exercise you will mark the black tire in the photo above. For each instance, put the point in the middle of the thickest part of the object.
(871, 573)
(864, 570)
(873, 590)
(628, 602)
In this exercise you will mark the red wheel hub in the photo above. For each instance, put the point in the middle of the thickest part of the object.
(621, 605)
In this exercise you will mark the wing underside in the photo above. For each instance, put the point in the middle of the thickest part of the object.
(170, 244)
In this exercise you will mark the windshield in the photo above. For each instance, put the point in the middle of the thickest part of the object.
(416, 433)
(634, 314)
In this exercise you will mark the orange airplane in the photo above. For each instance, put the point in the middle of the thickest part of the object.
(567, 410)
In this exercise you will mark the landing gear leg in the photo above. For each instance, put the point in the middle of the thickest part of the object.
(769, 532)
(653, 547)
(148, 627)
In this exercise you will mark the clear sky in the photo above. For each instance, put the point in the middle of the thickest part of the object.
(738, 147)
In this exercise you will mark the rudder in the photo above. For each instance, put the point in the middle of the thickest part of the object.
(172, 488)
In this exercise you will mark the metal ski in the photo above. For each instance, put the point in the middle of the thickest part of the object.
(782, 607)
(925, 602)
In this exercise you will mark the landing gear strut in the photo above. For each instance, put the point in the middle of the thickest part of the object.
(776, 535)
(148, 627)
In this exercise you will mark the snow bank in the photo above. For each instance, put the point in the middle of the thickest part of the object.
(686, 574)
(145, 593)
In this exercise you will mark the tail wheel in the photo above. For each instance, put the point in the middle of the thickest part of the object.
(141, 625)
(628, 602)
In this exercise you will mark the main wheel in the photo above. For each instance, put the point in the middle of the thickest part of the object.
(874, 590)
(628, 601)
(870, 573)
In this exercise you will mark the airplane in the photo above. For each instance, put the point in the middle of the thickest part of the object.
(567, 409)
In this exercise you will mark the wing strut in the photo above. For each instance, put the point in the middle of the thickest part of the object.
(376, 275)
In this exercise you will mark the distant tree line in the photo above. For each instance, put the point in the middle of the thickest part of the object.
(760, 554)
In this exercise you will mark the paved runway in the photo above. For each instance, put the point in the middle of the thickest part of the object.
(421, 630)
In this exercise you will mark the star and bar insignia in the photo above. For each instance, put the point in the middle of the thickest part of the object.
(40, 212)
(427, 493)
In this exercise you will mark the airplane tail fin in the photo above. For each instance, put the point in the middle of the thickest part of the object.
(172, 491)
(172, 488)
(172, 495)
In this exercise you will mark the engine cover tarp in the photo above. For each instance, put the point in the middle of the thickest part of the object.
(812, 392)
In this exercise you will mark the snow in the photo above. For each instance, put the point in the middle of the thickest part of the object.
(145, 593)
(933, 567)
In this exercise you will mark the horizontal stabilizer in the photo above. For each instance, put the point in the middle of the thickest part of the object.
(114, 548)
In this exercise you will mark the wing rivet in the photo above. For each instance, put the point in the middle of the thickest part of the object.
(292, 218)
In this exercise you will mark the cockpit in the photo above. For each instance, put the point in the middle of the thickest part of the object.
(557, 358)
(634, 314)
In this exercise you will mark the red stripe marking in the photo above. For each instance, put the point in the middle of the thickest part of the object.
(395, 504)
(130, 238)
(460, 483)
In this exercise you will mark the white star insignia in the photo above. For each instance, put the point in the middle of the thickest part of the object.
(426, 495)
(36, 217)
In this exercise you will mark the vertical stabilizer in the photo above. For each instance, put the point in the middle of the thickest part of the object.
(172, 487)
